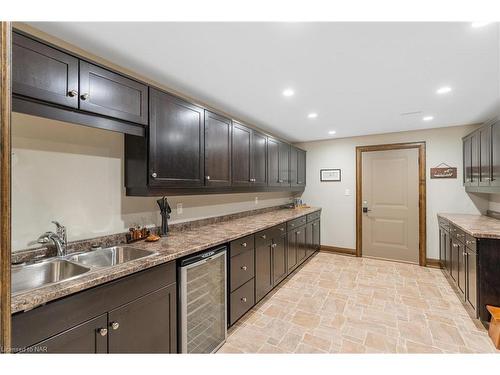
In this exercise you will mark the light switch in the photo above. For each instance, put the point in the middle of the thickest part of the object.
(179, 208)
(347, 192)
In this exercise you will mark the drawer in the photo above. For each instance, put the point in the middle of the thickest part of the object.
(471, 242)
(292, 224)
(241, 300)
(241, 244)
(242, 268)
(457, 233)
(314, 216)
(263, 237)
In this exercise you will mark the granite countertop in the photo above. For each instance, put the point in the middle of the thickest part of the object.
(176, 245)
(478, 226)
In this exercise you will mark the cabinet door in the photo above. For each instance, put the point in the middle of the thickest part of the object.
(273, 164)
(442, 247)
(309, 240)
(454, 259)
(300, 233)
(316, 235)
(475, 159)
(293, 166)
(461, 268)
(284, 166)
(263, 270)
(301, 168)
(484, 156)
(113, 95)
(291, 251)
(176, 142)
(472, 279)
(241, 155)
(44, 73)
(448, 252)
(89, 337)
(259, 159)
(146, 325)
(467, 142)
(279, 259)
(217, 150)
(495, 154)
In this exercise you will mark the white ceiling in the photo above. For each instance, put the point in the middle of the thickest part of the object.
(358, 77)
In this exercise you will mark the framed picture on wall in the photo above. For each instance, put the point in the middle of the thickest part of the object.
(326, 175)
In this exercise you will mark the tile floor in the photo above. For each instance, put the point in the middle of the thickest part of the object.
(341, 304)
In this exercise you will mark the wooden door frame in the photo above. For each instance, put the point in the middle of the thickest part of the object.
(5, 185)
(422, 227)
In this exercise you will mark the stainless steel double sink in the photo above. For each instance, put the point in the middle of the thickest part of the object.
(53, 270)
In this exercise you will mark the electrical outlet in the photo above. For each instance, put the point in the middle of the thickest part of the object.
(256, 200)
(347, 192)
(179, 209)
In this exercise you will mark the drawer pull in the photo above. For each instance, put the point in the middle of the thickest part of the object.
(243, 299)
(102, 331)
(244, 268)
(454, 245)
(298, 232)
(263, 236)
(469, 242)
(282, 229)
(115, 325)
(274, 245)
(244, 244)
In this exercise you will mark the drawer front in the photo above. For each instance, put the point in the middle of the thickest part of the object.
(457, 233)
(242, 268)
(292, 224)
(241, 300)
(241, 244)
(314, 216)
(264, 237)
(471, 242)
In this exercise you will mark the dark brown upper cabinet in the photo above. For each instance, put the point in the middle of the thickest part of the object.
(484, 170)
(297, 167)
(176, 142)
(278, 155)
(495, 154)
(217, 150)
(113, 95)
(44, 73)
(467, 160)
(259, 159)
(241, 157)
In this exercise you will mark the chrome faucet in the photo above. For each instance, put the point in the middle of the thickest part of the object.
(59, 239)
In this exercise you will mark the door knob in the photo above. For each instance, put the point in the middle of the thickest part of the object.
(102, 331)
(115, 325)
(72, 93)
(84, 96)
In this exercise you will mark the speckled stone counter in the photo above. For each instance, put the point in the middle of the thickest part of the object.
(176, 245)
(478, 226)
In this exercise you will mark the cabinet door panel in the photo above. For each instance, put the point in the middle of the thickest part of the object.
(495, 154)
(467, 161)
(259, 159)
(284, 166)
(263, 270)
(316, 235)
(273, 164)
(442, 247)
(301, 168)
(293, 166)
(241, 155)
(84, 338)
(176, 134)
(475, 159)
(217, 150)
(146, 325)
(309, 240)
(461, 269)
(113, 95)
(472, 279)
(279, 259)
(484, 155)
(42, 72)
(301, 244)
(291, 251)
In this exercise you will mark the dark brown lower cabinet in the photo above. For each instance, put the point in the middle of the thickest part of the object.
(141, 325)
(263, 264)
(462, 279)
(471, 271)
(87, 337)
(455, 250)
(279, 258)
(134, 314)
(300, 234)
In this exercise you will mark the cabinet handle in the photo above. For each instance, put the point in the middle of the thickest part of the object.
(282, 229)
(252, 180)
(454, 245)
(84, 96)
(207, 177)
(244, 268)
(280, 181)
(299, 182)
(263, 236)
(102, 331)
(464, 254)
(115, 325)
(72, 93)
(243, 299)
(298, 232)
(154, 175)
(244, 244)
(274, 245)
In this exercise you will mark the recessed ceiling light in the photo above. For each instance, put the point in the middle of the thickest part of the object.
(428, 118)
(312, 115)
(288, 92)
(477, 25)
(443, 90)
(332, 132)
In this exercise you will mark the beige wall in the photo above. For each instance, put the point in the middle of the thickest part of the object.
(338, 225)
(74, 174)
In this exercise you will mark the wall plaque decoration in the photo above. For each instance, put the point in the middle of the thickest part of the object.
(443, 170)
(330, 175)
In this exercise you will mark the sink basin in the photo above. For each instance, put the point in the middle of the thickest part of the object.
(111, 256)
(33, 276)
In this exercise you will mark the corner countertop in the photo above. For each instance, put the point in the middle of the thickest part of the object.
(478, 226)
(178, 244)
